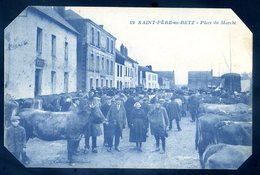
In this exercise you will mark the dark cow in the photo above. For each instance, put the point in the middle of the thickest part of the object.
(223, 156)
(48, 125)
(235, 133)
(213, 129)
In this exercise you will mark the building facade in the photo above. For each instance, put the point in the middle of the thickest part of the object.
(119, 70)
(199, 79)
(126, 70)
(40, 54)
(96, 53)
(166, 79)
(147, 78)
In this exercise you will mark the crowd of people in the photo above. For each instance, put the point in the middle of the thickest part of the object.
(143, 112)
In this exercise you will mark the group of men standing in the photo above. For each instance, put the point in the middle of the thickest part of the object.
(138, 113)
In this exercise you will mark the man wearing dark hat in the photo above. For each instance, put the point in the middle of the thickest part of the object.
(116, 118)
(174, 112)
(105, 108)
(146, 107)
(159, 122)
(16, 139)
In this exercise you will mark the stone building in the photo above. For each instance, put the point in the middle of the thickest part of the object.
(40, 54)
(147, 78)
(166, 79)
(199, 79)
(96, 53)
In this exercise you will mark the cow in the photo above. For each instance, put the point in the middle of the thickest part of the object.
(50, 126)
(234, 132)
(214, 129)
(224, 108)
(224, 156)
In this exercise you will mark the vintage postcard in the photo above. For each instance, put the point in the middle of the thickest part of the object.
(117, 87)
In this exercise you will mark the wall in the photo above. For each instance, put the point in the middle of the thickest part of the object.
(20, 55)
(102, 52)
(151, 83)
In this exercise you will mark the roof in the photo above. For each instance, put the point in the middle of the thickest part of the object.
(72, 15)
(166, 74)
(120, 58)
(54, 15)
(230, 75)
(146, 69)
(199, 74)
(126, 58)
(130, 60)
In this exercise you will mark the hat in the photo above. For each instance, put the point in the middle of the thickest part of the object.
(108, 97)
(15, 117)
(161, 100)
(96, 98)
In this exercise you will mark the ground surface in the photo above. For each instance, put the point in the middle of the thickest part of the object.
(180, 152)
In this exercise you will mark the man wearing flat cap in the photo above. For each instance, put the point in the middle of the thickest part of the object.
(159, 122)
(16, 139)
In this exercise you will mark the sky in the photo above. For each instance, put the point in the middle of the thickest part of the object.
(196, 39)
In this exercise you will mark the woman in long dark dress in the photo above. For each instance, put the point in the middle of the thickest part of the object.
(138, 126)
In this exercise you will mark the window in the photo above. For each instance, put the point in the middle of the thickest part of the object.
(103, 63)
(66, 82)
(53, 82)
(118, 70)
(107, 44)
(97, 64)
(92, 36)
(91, 83)
(66, 52)
(39, 41)
(98, 39)
(97, 85)
(53, 45)
(111, 83)
(125, 71)
(121, 71)
(111, 68)
(102, 82)
(112, 46)
(106, 83)
(91, 65)
(107, 67)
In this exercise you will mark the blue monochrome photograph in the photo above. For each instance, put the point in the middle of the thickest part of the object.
(119, 87)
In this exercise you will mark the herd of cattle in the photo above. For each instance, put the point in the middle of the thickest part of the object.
(223, 131)
(224, 135)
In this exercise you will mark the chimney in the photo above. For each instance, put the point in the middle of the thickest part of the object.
(149, 67)
(60, 10)
(122, 47)
(102, 26)
(126, 51)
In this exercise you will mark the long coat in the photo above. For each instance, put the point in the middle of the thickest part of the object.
(15, 139)
(159, 121)
(138, 126)
(93, 128)
(173, 110)
(116, 118)
(194, 105)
